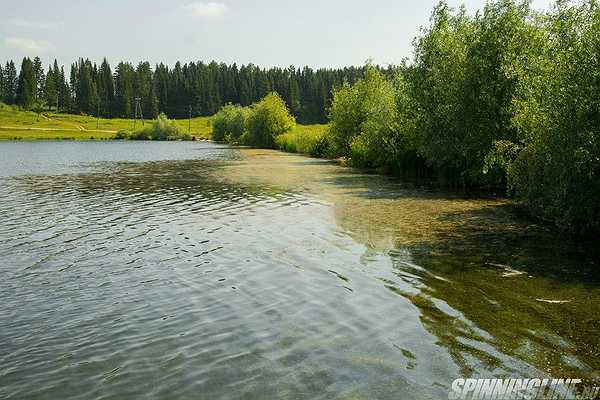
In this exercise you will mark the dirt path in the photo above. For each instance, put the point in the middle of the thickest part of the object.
(79, 127)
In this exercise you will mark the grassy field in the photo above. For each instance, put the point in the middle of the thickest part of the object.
(16, 124)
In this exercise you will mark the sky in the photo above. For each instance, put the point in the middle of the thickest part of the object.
(325, 33)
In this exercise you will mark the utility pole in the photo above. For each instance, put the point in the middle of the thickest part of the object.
(57, 102)
(138, 106)
(98, 116)
(190, 120)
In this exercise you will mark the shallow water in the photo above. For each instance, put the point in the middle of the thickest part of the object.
(197, 271)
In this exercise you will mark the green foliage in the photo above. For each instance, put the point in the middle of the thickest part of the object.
(439, 91)
(267, 119)
(507, 97)
(373, 123)
(229, 124)
(306, 139)
(26, 85)
(557, 172)
(160, 129)
(8, 83)
(362, 117)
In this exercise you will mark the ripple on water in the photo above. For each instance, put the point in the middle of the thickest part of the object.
(217, 275)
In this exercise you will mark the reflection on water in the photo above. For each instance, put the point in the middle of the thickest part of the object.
(181, 270)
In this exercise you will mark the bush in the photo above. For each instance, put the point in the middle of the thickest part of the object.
(123, 134)
(372, 121)
(268, 119)
(160, 129)
(229, 124)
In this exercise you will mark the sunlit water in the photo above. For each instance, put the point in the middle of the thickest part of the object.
(196, 271)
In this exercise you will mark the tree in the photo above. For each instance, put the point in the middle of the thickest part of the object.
(64, 91)
(144, 89)
(229, 124)
(440, 81)
(364, 120)
(26, 86)
(106, 90)
(124, 91)
(2, 87)
(40, 79)
(86, 94)
(504, 43)
(268, 119)
(10, 83)
(555, 168)
(51, 88)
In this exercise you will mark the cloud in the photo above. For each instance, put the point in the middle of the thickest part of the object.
(210, 9)
(24, 23)
(27, 45)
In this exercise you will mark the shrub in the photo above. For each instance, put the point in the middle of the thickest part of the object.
(160, 129)
(123, 134)
(229, 123)
(371, 121)
(268, 119)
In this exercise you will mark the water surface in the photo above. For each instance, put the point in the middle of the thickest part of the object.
(197, 271)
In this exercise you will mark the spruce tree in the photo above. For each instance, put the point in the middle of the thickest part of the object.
(1, 83)
(106, 90)
(10, 83)
(51, 89)
(26, 86)
(40, 79)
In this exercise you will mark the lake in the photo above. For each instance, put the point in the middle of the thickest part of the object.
(179, 270)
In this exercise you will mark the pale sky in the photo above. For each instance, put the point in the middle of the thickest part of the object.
(264, 32)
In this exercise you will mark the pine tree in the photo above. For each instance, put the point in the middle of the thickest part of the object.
(26, 86)
(64, 91)
(10, 83)
(1, 83)
(40, 79)
(106, 90)
(124, 76)
(144, 89)
(161, 86)
(293, 98)
(73, 85)
(51, 89)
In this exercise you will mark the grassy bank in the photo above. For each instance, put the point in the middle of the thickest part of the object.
(55, 134)
(16, 124)
(306, 139)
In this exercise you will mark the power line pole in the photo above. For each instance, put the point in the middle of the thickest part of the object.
(138, 106)
(98, 116)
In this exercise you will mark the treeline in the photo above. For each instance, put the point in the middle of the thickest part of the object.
(508, 97)
(197, 87)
